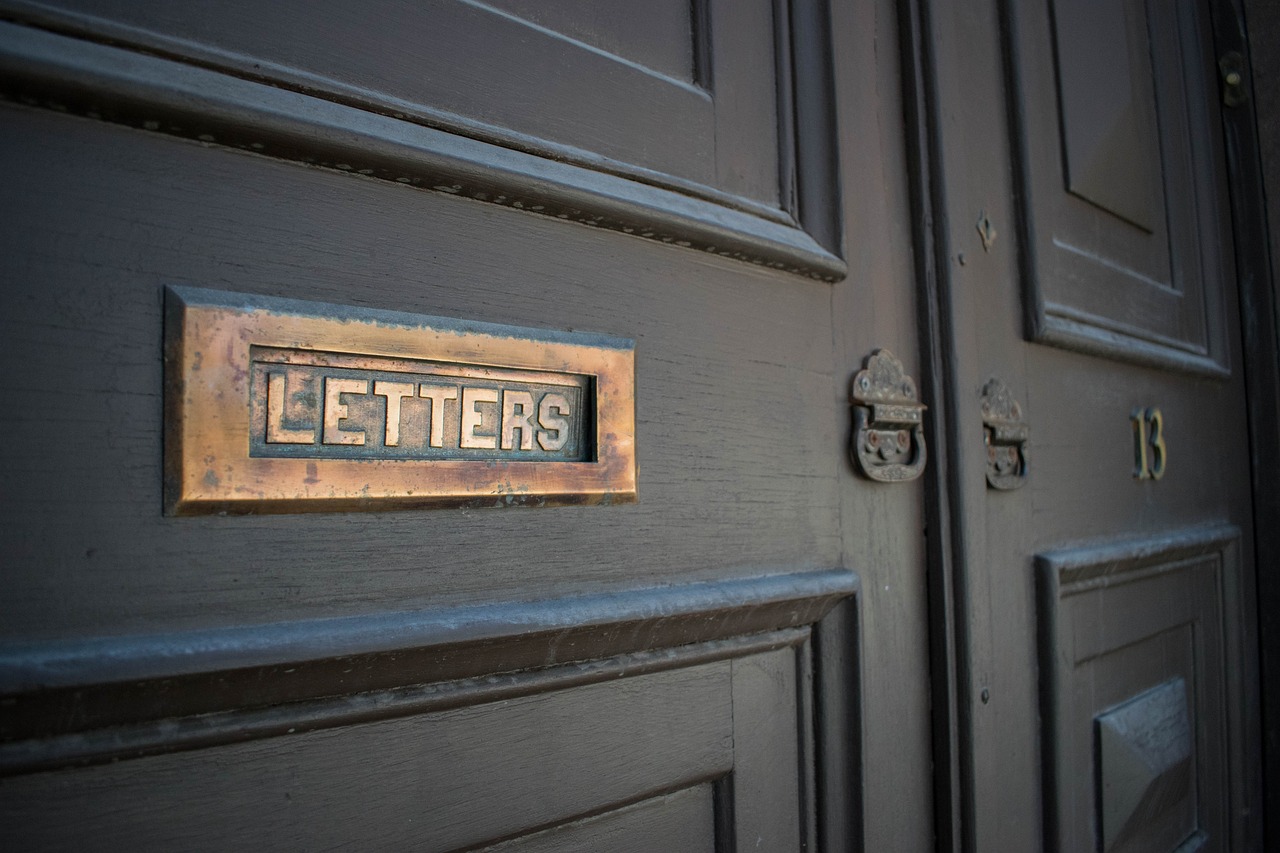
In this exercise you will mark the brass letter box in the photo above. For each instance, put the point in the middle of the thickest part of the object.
(275, 405)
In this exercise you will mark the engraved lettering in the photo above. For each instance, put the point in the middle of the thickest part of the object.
(557, 423)
(335, 410)
(280, 406)
(276, 431)
(521, 420)
(414, 411)
(437, 394)
(473, 418)
(395, 392)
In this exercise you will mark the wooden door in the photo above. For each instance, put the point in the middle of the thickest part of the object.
(737, 661)
(1102, 548)
(1042, 643)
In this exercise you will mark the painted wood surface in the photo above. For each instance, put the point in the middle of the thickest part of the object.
(742, 369)
(767, 650)
(1080, 489)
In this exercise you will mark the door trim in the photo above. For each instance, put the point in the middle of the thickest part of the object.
(1261, 368)
(100, 700)
(379, 141)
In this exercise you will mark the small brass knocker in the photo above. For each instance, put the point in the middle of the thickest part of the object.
(888, 431)
(1006, 437)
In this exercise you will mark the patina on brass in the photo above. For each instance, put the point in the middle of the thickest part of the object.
(1007, 438)
(276, 405)
(888, 421)
(326, 405)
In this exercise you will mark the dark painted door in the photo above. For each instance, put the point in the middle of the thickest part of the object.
(1105, 686)
(1042, 643)
(718, 666)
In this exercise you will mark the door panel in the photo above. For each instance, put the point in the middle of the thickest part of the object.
(683, 820)
(688, 755)
(1118, 160)
(1137, 659)
(1090, 636)
(755, 655)
(542, 83)
(253, 565)
(720, 129)
(535, 761)
(685, 671)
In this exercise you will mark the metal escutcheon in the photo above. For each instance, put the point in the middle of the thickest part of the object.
(888, 430)
(1006, 437)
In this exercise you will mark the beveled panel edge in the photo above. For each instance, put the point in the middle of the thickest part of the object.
(811, 147)
(1047, 327)
(1077, 569)
(45, 70)
(1042, 322)
(96, 700)
(1071, 570)
(209, 467)
(565, 834)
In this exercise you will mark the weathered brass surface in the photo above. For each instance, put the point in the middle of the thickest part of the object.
(1150, 453)
(282, 406)
(888, 421)
(1006, 436)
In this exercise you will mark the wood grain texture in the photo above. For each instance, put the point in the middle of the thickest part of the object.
(742, 375)
(104, 700)
(1096, 282)
(725, 489)
(840, 790)
(530, 763)
(658, 35)
(1119, 618)
(1080, 485)
(680, 822)
(361, 132)
(883, 527)
(946, 635)
(418, 59)
(736, 29)
(772, 776)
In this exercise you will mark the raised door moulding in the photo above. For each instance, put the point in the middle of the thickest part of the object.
(1121, 222)
(75, 62)
(76, 702)
(275, 405)
(1120, 622)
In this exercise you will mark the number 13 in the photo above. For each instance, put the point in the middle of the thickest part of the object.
(1149, 453)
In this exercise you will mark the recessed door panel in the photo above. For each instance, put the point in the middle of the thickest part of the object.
(1103, 622)
(1138, 691)
(679, 91)
(662, 674)
(1119, 210)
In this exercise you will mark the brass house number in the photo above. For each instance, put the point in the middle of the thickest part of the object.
(1149, 452)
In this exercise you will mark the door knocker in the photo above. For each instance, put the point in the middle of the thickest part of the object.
(1006, 437)
(888, 429)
